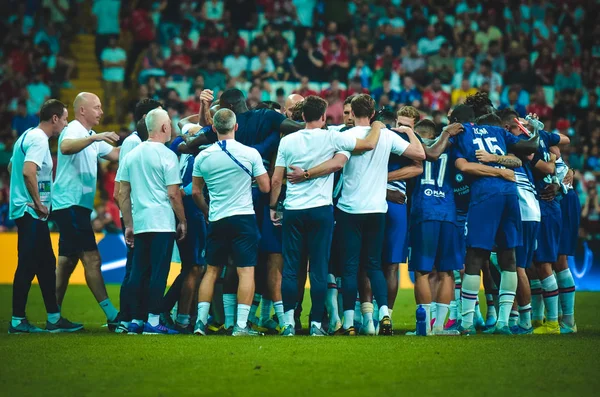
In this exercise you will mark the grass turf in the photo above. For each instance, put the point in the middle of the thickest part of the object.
(96, 363)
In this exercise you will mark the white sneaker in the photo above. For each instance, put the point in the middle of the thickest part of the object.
(367, 329)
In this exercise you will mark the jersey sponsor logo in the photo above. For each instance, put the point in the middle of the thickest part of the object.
(459, 178)
(434, 193)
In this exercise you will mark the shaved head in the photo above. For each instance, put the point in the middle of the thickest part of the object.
(87, 109)
(290, 102)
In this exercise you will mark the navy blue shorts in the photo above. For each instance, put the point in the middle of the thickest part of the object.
(570, 208)
(435, 244)
(495, 222)
(524, 253)
(395, 245)
(549, 235)
(76, 233)
(236, 236)
(192, 248)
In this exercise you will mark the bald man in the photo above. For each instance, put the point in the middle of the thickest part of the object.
(73, 195)
(289, 104)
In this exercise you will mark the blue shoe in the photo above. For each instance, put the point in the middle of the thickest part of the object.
(495, 330)
(200, 328)
(158, 330)
(246, 331)
(135, 329)
(567, 329)
(467, 331)
(518, 330)
(24, 327)
(288, 330)
(316, 331)
(63, 325)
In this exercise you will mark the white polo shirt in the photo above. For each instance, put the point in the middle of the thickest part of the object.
(229, 186)
(150, 168)
(31, 146)
(129, 143)
(76, 174)
(365, 175)
(306, 149)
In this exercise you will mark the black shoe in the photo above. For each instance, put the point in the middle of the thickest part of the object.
(63, 325)
(184, 329)
(166, 320)
(385, 326)
(112, 325)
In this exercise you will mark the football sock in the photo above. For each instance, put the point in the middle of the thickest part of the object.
(265, 310)
(183, 319)
(229, 304)
(203, 308)
(470, 289)
(15, 321)
(550, 288)
(357, 313)
(53, 317)
(537, 300)
(331, 300)
(242, 315)
(513, 320)
(289, 318)
(525, 316)
(442, 312)
(278, 306)
(366, 309)
(348, 319)
(254, 307)
(433, 311)
(491, 309)
(506, 298)
(109, 310)
(383, 312)
(566, 294)
(452, 311)
(153, 319)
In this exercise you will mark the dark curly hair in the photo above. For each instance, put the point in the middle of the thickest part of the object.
(481, 104)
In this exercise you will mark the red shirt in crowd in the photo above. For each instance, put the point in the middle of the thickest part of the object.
(19, 61)
(142, 26)
(351, 91)
(544, 112)
(337, 58)
(305, 92)
(180, 59)
(439, 100)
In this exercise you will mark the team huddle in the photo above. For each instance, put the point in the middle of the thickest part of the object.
(258, 200)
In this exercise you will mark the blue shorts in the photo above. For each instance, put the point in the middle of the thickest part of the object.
(236, 236)
(192, 248)
(549, 235)
(524, 253)
(76, 233)
(571, 212)
(395, 245)
(495, 222)
(435, 244)
(271, 235)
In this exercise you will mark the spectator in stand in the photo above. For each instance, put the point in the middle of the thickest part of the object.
(390, 38)
(193, 103)
(413, 61)
(441, 64)
(487, 75)
(106, 14)
(544, 31)
(262, 66)
(304, 90)
(283, 67)
(59, 10)
(336, 61)
(467, 72)
(332, 36)
(142, 28)
(365, 17)
(153, 63)
(214, 78)
(179, 63)
(386, 89)
(236, 64)
(410, 95)
(39, 92)
(392, 19)
(443, 24)
(262, 41)
(363, 43)
(431, 43)
(545, 67)
(309, 62)
(523, 76)
(213, 11)
(568, 108)
(513, 102)
(284, 13)
(435, 98)
(487, 33)
(242, 14)
(567, 79)
(233, 38)
(593, 161)
(539, 106)
(22, 121)
(495, 56)
(355, 87)
(361, 71)
(417, 25)
(459, 95)
(211, 40)
(567, 40)
(113, 59)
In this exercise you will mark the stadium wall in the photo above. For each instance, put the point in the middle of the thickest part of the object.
(585, 265)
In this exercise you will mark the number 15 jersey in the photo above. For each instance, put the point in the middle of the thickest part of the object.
(493, 140)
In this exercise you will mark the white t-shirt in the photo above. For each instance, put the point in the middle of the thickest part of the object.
(365, 175)
(150, 168)
(31, 146)
(235, 66)
(113, 73)
(256, 65)
(307, 149)
(76, 174)
(107, 13)
(229, 186)
(129, 143)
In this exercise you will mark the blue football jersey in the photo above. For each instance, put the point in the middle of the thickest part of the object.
(493, 140)
(547, 140)
(433, 194)
(462, 195)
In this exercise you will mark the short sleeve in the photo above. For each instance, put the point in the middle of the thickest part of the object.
(399, 145)
(72, 132)
(37, 151)
(280, 160)
(553, 139)
(175, 144)
(123, 172)
(171, 169)
(343, 143)
(104, 148)
(197, 172)
(275, 119)
(258, 167)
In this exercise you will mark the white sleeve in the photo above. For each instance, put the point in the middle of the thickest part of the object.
(343, 143)
(258, 168)
(399, 145)
(71, 132)
(197, 172)
(123, 172)
(280, 161)
(171, 169)
(36, 151)
(104, 148)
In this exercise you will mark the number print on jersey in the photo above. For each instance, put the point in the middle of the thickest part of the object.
(491, 144)
(428, 180)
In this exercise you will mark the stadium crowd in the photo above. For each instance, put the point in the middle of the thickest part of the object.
(415, 60)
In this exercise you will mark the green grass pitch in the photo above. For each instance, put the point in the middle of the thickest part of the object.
(97, 363)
